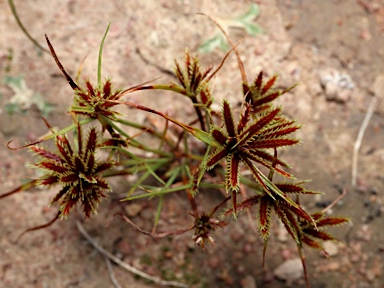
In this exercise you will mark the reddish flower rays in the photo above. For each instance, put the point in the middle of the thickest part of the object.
(78, 173)
(247, 142)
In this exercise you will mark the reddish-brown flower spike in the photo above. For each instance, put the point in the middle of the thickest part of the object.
(296, 221)
(247, 142)
(107, 88)
(77, 172)
(45, 154)
(289, 220)
(91, 144)
(272, 143)
(331, 221)
(295, 188)
(244, 119)
(232, 181)
(90, 101)
(259, 81)
(261, 96)
(219, 136)
(215, 158)
(311, 242)
(205, 95)
(51, 166)
(243, 206)
(95, 102)
(192, 79)
(228, 119)
(268, 85)
(265, 217)
(263, 157)
(318, 234)
(314, 236)
(252, 131)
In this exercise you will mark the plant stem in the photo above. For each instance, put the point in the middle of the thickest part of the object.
(134, 142)
(148, 130)
(100, 57)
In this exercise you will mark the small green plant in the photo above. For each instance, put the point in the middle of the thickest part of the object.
(227, 149)
(245, 21)
(24, 97)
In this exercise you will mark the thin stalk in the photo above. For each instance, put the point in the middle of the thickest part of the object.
(101, 57)
(198, 113)
(164, 135)
(53, 135)
(145, 175)
(158, 193)
(146, 160)
(148, 130)
(211, 185)
(23, 187)
(137, 166)
(239, 61)
(134, 142)
(356, 148)
(149, 169)
(180, 90)
(126, 171)
(126, 266)
(14, 12)
(168, 87)
(158, 212)
(302, 257)
(186, 176)
(251, 184)
(172, 178)
(122, 150)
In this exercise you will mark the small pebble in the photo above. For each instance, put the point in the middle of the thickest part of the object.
(331, 248)
(248, 282)
(290, 270)
(133, 210)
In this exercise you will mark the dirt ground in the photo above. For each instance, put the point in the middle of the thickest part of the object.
(334, 49)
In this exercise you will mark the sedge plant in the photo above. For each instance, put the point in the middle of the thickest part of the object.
(233, 148)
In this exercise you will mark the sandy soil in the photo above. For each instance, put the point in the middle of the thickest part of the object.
(334, 49)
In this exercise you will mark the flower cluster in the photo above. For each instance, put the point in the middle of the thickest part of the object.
(78, 172)
(247, 142)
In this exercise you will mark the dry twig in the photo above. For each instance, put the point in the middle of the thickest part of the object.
(368, 115)
(114, 281)
(125, 265)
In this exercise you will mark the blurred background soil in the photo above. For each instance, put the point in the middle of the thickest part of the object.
(333, 49)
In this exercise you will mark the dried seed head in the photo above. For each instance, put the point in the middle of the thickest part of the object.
(204, 226)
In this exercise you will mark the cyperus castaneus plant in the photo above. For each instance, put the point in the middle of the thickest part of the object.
(237, 148)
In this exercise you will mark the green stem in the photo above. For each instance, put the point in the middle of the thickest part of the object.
(67, 129)
(160, 192)
(134, 142)
(148, 130)
(14, 12)
(169, 87)
(100, 57)
(145, 160)
(180, 90)
(198, 133)
(210, 185)
(145, 175)
(198, 113)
